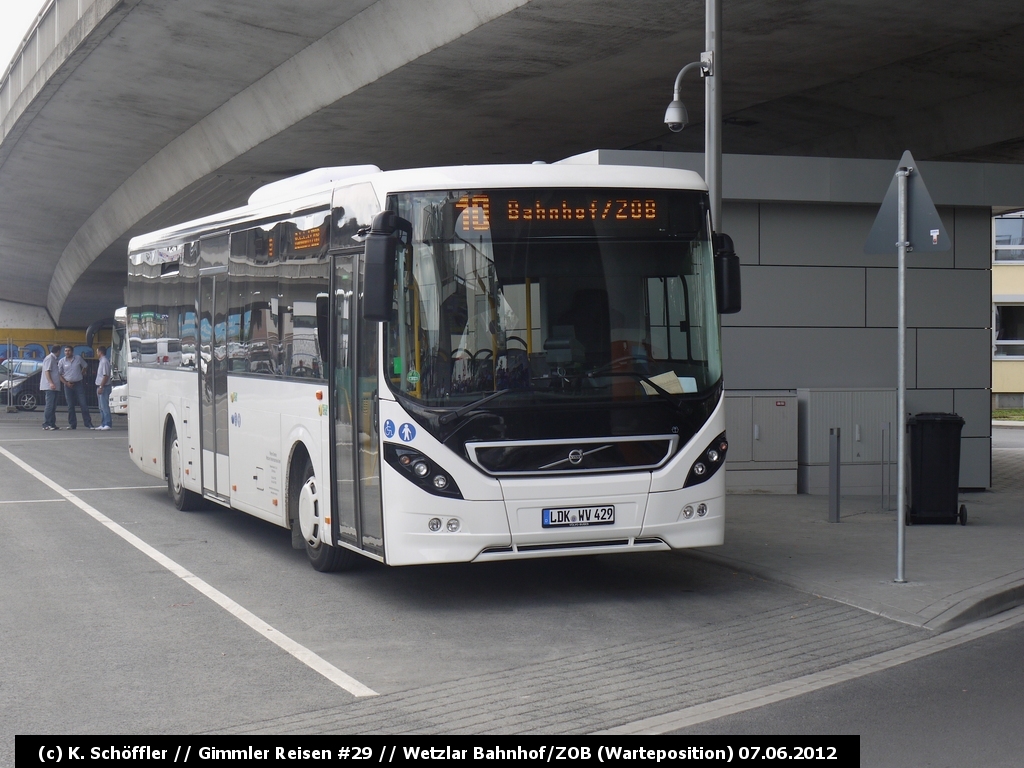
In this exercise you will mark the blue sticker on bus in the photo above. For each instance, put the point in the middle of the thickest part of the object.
(389, 428)
(407, 432)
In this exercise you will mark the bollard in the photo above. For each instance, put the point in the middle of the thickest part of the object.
(833, 475)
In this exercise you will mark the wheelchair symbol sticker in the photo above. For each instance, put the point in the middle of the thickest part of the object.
(389, 429)
(407, 432)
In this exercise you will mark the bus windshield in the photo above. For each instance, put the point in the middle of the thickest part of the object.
(554, 295)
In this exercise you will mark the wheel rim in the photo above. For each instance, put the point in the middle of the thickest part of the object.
(26, 401)
(309, 512)
(174, 471)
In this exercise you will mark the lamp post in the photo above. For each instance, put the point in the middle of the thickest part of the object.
(676, 116)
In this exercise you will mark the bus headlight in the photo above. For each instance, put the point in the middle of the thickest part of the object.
(421, 471)
(708, 463)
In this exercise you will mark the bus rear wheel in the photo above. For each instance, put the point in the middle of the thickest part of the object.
(306, 513)
(183, 498)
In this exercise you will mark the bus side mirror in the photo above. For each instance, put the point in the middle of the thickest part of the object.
(381, 255)
(727, 275)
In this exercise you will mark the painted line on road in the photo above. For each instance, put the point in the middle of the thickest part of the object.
(742, 702)
(300, 652)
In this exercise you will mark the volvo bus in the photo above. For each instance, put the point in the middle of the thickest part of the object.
(443, 365)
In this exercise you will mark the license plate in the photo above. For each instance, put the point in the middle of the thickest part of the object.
(563, 517)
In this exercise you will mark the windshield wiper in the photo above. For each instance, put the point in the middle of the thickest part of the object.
(453, 415)
(663, 394)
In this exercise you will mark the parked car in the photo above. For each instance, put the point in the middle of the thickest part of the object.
(25, 393)
(16, 368)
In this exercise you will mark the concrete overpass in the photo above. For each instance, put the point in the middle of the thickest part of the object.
(120, 116)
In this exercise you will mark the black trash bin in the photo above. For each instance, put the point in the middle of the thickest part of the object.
(935, 468)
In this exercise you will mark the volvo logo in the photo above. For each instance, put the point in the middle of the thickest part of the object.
(575, 456)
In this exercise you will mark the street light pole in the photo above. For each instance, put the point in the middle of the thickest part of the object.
(713, 110)
(676, 117)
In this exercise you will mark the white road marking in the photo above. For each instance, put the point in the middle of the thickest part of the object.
(300, 652)
(741, 702)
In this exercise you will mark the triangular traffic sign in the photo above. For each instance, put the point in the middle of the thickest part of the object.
(924, 227)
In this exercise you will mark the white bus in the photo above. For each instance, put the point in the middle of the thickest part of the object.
(443, 365)
(119, 354)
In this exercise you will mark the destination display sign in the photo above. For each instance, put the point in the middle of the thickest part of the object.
(562, 212)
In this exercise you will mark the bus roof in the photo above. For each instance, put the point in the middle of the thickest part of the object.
(314, 188)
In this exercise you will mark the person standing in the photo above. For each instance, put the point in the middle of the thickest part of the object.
(72, 371)
(50, 384)
(103, 388)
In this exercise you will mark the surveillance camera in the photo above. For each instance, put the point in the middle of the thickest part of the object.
(675, 116)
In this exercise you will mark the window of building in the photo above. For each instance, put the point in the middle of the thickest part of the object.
(1008, 234)
(1009, 330)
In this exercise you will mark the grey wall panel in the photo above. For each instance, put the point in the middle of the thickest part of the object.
(741, 221)
(801, 296)
(930, 401)
(757, 177)
(975, 405)
(824, 235)
(788, 358)
(954, 358)
(860, 181)
(972, 246)
(818, 235)
(936, 298)
(975, 463)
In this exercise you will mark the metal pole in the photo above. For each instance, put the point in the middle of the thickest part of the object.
(713, 111)
(901, 387)
(833, 475)
(882, 464)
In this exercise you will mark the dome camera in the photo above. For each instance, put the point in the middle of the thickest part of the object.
(676, 117)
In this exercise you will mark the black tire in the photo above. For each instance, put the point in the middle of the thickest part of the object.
(302, 493)
(963, 514)
(27, 401)
(183, 498)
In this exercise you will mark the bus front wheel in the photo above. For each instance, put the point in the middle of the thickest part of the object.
(183, 498)
(306, 514)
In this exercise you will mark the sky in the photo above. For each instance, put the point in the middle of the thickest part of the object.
(16, 16)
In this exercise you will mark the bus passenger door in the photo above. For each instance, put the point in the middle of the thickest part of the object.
(371, 521)
(213, 370)
(342, 393)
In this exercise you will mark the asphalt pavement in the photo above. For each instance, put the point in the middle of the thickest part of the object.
(503, 648)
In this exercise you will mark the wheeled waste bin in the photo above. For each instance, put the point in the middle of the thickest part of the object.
(935, 469)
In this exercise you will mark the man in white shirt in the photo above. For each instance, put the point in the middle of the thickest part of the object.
(50, 384)
(103, 388)
(72, 370)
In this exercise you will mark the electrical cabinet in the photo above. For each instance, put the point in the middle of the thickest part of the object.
(763, 441)
(865, 418)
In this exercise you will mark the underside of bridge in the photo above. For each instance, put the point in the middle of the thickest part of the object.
(147, 113)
